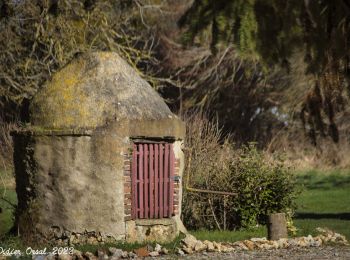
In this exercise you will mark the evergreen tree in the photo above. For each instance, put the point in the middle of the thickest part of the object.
(270, 31)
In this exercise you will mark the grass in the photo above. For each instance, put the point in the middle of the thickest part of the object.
(324, 180)
(230, 236)
(320, 201)
(325, 202)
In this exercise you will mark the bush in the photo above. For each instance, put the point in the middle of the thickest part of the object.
(262, 184)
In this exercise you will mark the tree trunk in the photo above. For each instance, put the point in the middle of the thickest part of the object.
(277, 226)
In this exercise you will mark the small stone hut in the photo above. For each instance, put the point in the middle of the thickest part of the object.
(101, 158)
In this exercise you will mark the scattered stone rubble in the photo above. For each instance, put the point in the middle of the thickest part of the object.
(190, 245)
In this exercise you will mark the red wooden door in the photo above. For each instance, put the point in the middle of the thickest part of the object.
(152, 180)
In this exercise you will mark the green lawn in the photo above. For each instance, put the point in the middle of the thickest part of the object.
(229, 236)
(325, 202)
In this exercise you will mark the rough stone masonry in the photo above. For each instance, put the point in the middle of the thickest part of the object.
(72, 161)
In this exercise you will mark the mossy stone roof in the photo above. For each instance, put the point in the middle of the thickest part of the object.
(92, 90)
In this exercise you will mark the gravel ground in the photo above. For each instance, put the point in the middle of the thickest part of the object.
(325, 252)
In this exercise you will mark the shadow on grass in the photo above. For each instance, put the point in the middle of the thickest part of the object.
(311, 215)
(315, 180)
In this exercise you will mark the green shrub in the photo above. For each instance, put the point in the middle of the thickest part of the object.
(262, 184)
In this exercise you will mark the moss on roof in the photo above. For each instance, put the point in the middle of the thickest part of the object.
(91, 91)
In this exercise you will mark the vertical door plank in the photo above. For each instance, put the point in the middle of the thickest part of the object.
(161, 194)
(151, 181)
(146, 180)
(133, 182)
(156, 180)
(171, 183)
(141, 181)
(166, 180)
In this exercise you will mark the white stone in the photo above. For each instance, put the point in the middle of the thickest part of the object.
(111, 250)
(187, 250)
(51, 256)
(164, 251)
(90, 256)
(154, 253)
(65, 257)
(210, 246)
(125, 254)
(217, 246)
(258, 239)
(158, 248)
(189, 241)
(118, 253)
(180, 252)
(249, 244)
(78, 255)
(242, 246)
(132, 255)
(225, 249)
(282, 243)
(199, 246)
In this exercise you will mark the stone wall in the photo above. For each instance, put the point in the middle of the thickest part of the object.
(69, 185)
(160, 230)
(75, 186)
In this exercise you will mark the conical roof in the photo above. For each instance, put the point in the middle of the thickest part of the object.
(92, 90)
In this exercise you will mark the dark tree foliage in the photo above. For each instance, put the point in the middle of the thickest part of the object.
(270, 31)
(230, 90)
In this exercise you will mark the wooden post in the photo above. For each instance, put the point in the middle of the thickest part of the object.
(277, 226)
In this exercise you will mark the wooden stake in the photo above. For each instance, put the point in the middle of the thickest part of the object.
(277, 226)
